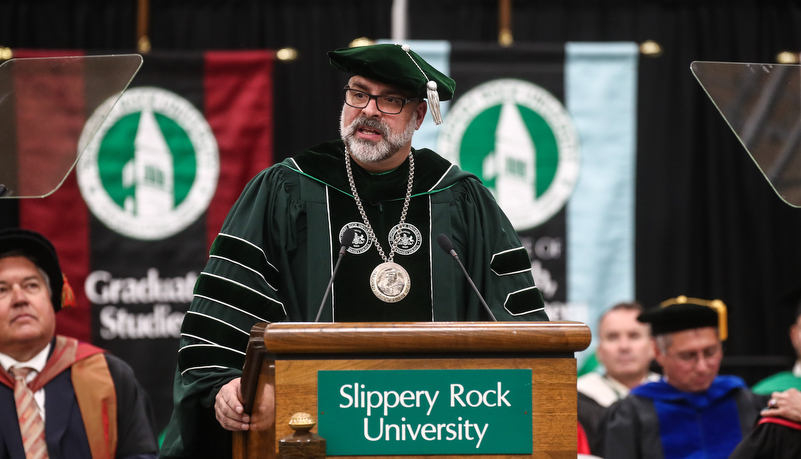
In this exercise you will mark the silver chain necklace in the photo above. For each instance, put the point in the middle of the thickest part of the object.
(388, 281)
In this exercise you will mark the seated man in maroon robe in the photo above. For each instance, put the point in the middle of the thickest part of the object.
(59, 397)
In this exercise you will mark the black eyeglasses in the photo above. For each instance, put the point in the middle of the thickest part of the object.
(693, 357)
(390, 105)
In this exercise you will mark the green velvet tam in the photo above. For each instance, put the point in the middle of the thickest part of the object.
(390, 64)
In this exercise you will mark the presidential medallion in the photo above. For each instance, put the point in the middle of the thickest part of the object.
(390, 282)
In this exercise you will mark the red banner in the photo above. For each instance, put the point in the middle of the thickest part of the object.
(133, 223)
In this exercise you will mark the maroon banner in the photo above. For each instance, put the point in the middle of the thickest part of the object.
(61, 217)
(133, 223)
(239, 111)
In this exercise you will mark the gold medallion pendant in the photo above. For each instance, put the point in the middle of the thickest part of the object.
(390, 282)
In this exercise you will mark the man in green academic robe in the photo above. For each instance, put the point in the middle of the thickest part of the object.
(275, 254)
(784, 380)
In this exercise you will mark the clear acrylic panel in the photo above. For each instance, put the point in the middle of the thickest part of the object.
(762, 105)
(44, 105)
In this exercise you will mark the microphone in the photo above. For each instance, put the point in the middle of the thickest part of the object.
(447, 246)
(347, 240)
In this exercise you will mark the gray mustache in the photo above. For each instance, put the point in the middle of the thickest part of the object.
(370, 123)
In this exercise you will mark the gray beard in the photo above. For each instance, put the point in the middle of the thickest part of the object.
(368, 151)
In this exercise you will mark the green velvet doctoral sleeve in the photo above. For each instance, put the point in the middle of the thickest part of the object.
(239, 287)
(241, 283)
(493, 255)
(193, 430)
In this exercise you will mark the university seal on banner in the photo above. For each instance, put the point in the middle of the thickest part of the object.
(520, 141)
(152, 168)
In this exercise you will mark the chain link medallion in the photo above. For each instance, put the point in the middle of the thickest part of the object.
(390, 282)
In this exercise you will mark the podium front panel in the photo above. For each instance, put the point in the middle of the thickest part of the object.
(553, 393)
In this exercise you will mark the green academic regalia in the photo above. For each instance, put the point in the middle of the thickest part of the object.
(276, 251)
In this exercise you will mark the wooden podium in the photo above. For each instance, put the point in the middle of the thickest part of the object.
(289, 355)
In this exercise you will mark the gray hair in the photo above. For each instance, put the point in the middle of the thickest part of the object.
(624, 306)
(663, 342)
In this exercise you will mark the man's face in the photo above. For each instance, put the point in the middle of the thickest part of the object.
(27, 318)
(373, 136)
(692, 361)
(624, 346)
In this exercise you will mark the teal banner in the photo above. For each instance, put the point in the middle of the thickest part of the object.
(551, 130)
(392, 412)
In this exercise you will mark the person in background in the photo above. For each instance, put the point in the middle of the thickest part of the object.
(691, 411)
(625, 351)
(59, 398)
(777, 435)
(785, 379)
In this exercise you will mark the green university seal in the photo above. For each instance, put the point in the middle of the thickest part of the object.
(151, 169)
(521, 142)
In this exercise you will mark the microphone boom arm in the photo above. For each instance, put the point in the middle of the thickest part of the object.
(347, 240)
(447, 246)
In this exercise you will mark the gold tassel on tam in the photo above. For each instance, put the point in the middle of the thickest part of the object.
(720, 307)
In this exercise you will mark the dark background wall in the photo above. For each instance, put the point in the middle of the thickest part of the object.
(708, 224)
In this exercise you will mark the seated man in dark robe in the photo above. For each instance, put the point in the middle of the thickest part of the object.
(777, 434)
(786, 379)
(59, 398)
(625, 351)
(691, 412)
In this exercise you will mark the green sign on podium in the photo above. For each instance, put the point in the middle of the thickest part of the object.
(420, 412)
